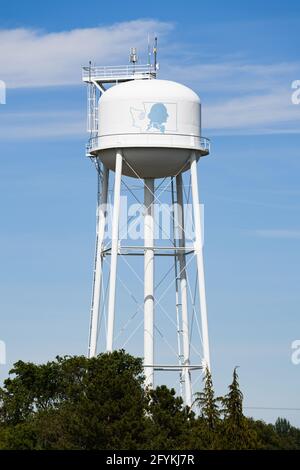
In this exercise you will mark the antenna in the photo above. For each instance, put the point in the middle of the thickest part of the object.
(155, 52)
(133, 57)
(90, 67)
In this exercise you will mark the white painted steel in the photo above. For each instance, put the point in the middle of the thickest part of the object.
(114, 252)
(184, 297)
(116, 73)
(177, 301)
(198, 247)
(147, 129)
(149, 282)
(161, 117)
(101, 210)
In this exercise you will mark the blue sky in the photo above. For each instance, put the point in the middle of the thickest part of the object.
(241, 57)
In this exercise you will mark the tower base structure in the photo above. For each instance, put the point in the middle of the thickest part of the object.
(184, 313)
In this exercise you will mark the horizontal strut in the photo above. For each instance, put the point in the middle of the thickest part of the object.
(175, 367)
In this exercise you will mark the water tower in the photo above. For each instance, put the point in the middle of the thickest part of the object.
(145, 129)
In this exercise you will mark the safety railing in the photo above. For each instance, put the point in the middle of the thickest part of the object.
(114, 71)
(93, 143)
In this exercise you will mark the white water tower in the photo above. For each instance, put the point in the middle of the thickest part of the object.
(147, 129)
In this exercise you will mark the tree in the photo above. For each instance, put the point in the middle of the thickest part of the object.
(237, 433)
(207, 402)
(101, 403)
(283, 426)
(288, 435)
(75, 403)
(233, 403)
(34, 388)
(206, 429)
(169, 424)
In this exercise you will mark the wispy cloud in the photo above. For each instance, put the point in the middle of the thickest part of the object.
(266, 113)
(238, 97)
(241, 98)
(31, 58)
(278, 233)
(41, 125)
(235, 76)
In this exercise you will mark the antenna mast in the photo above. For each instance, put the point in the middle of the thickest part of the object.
(155, 53)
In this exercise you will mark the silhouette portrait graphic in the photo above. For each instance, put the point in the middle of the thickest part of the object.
(158, 115)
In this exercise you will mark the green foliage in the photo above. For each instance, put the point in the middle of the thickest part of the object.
(208, 404)
(167, 414)
(206, 432)
(101, 403)
(283, 427)
(237, 433)
(75, 403)
(288, 434)
(233, 403)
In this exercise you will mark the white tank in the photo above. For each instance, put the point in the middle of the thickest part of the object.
(157, 123)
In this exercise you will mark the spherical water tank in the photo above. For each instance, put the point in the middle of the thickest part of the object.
(156, 123)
